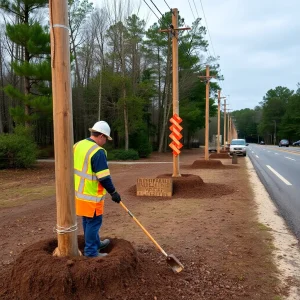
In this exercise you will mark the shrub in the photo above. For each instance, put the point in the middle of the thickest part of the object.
(140, 142)
(17, 150)
(123, 155)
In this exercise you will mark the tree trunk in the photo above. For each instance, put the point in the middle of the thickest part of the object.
(166, 100)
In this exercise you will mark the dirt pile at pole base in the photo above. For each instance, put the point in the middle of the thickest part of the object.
(37, 274)
(219, 155)
(188, 186)
(210, 164)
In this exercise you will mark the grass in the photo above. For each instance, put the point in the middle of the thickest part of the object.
(263, 227)
(22, 195)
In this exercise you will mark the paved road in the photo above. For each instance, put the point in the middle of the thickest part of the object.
(279, 170)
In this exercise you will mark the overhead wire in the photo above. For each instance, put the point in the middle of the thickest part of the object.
(196, 8)
(191, 9)
(207, 29)
(169, 7)
(156, 8)
(151, 9)
(207, 32)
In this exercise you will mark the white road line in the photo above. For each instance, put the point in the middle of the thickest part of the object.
(290, 158)
(279, 176)
(269, 151)
(252, 151)
(256, 156)
(276, 153)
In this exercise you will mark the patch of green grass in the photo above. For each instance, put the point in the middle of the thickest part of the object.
(20, 196)
(263, 227)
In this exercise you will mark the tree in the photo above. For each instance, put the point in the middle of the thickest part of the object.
(34, 65)
(274, 106)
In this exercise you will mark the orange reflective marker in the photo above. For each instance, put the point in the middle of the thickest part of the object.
(175, 135)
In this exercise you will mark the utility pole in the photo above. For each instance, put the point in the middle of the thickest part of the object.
(274, 132)
(174, 31)
(207, 79)
(229, 127)
(224, 124)
(66, 227)
(219, 119)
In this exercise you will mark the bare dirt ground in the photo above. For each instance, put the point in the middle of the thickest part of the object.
(212, 228)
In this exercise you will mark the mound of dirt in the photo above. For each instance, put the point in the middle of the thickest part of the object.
(37, 273)
(219, 155)
(189, 186)
(209, 164)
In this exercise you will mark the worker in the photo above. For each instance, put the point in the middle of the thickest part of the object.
(92, 181)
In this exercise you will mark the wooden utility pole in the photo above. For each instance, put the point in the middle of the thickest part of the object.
(228, 126)
(219, 119)
(63, 130)
(224, 125)
(176, 170)
(174, 31)
(207, 79)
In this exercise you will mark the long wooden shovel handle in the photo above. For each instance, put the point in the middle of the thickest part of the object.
(144, 229)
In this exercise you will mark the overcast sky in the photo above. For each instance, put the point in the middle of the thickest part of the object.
(258, 42)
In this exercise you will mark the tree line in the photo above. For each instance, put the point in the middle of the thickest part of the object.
(276, 117)
(121, 72)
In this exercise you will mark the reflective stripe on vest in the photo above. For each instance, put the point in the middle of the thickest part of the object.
(89, 193)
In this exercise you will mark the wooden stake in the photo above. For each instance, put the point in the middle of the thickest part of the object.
(63, 130)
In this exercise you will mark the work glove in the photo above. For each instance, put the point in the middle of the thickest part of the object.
(115, 196)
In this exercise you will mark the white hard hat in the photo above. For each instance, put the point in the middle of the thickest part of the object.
(102, 127)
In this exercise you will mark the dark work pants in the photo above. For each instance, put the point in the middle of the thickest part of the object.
(91, 227)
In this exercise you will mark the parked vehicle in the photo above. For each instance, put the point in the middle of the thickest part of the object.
(262, 142)
(238, 146)
(296, 143)
(284, 143)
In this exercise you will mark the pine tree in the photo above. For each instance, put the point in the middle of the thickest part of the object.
(34, 64)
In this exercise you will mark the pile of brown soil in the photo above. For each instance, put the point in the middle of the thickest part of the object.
(223, 151)
(209, 164)
(37, 273)
(188, 186)
(219, 155)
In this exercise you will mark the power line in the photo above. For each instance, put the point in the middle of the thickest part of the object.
(196, 8)
(191, 9)
(151, 9)
(169, 7)
(207, 28)
(157, 8)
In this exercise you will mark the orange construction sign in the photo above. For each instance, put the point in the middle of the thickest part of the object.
(175, 134)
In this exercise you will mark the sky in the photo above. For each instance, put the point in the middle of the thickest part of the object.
(258, 42)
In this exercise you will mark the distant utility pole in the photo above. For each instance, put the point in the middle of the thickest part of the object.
(174, 31)
(66, 227)
(219, 119)
(207, 79)
(229, 127)
(224, 146)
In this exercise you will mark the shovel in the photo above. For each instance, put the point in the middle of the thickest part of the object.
(172, 261)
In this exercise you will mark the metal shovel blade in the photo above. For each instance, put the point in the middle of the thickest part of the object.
(174, 263)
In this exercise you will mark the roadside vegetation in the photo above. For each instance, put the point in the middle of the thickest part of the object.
(121, 73)
(276, 117)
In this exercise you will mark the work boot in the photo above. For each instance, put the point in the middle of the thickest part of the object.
(102, 254)
(104, 244)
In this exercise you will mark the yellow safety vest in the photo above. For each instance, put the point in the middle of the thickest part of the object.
(89, 193)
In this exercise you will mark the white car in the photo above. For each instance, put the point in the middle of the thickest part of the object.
(238, 146)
